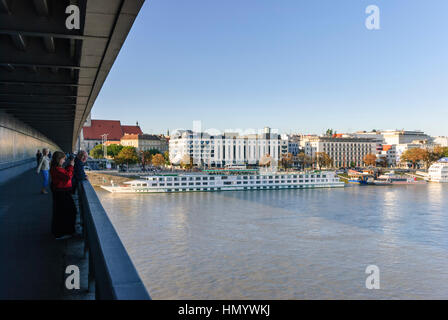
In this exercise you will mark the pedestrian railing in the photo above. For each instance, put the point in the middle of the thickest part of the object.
(111, 270)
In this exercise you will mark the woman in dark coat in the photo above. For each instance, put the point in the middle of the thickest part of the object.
(38, 157)
(64, 209)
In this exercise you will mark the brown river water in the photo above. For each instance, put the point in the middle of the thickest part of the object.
(287, 244)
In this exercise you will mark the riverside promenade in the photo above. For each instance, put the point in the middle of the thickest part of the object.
(32, 262)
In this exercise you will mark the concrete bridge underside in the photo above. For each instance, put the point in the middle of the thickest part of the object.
(50, 76)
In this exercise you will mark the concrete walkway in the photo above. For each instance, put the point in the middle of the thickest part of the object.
(32, 262)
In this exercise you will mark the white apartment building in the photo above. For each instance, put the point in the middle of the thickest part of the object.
(441, 141)
(389, 153)
(343, 151)
(226, 149)
(403, 137)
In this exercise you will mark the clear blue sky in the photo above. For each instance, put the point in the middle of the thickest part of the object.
(295, 65)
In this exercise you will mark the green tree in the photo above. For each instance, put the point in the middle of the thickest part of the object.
(304, 160)
(97, 152)
(439, 152)
(127, 155)
(322, 159)
(153, 151)
(158, 160)
(370, 160)
(113, 150)
(431, 156)
(286, 160)
(414, 156)
(166, 156)
(383, 162)
(145, 157)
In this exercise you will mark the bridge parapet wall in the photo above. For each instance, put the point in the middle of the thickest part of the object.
(18, 146)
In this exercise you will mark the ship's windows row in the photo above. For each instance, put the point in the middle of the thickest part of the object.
(219, 189)
(181, 178)
(169, 184)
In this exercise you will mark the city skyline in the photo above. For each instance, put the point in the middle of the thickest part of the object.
(217, 131)
(300, 67)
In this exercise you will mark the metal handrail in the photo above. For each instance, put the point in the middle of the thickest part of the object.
(110, 266)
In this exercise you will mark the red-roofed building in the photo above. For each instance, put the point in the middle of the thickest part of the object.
(131, 130)
(93, 130)
(99, 127)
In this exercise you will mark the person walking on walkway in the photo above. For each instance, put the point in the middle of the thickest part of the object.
(64, 209)
(43, 168)
(38, 157)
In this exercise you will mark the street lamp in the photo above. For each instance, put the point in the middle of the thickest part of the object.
(103, 141)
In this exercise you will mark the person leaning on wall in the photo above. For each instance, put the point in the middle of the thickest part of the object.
(43, 168)
(79, 174)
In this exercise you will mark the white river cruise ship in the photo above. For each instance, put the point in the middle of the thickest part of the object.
(190, 182)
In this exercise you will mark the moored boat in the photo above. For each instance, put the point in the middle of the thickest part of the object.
(361, 178)
(190, 182)
(393, 179)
